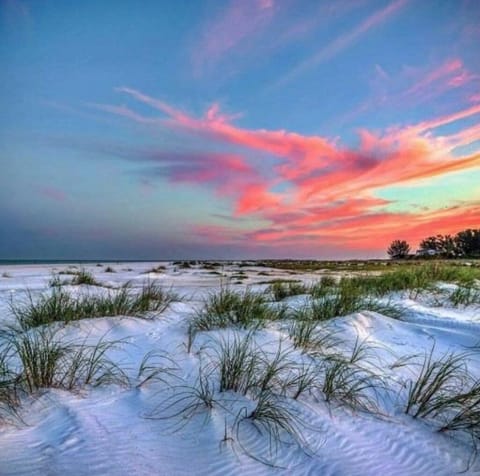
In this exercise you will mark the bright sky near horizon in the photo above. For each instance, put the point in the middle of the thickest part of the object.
(236, 129)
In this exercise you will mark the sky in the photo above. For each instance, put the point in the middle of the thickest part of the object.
(236, 129)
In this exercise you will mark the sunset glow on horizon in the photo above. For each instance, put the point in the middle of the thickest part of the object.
(241, 129)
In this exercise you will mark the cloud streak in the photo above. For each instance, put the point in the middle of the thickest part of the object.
(342, 42)
(235, 25)
(316, 188)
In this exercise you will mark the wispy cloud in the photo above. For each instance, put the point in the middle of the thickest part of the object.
(342, 42)
(236, 24)
(449, 75)
(414, 85)
(318, 187)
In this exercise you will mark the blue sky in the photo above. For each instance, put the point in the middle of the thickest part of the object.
(255, 128)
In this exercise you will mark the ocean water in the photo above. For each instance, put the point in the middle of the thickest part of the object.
(73, 261)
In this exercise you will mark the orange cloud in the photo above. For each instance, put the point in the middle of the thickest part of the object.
(317, 189)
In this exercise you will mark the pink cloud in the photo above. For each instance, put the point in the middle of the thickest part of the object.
(237, 23)
(475, 97)
(323, 15)
(446, 70)
(413, 86)
(452, 74)
(318, 189)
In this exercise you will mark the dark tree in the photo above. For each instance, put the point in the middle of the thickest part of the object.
(448, 246)
(398, 249)
(432, 243)
(443, 245)
(468, 242)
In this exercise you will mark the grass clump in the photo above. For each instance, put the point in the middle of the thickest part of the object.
(344, 299)
(322, 287)
(283, 289)
(272, 380)
(227, 307)
(84, 277)
(429, 392)
(152, 297)
(158, 269)
(46, 361)
(59, 305)
(464, 412)
(244, 368)
(346, 380)
(445, 392)
(275, 417)
(416, 278)
(187, 400)
(155, 366)
(238, 364)
(55, 281)
(302, 331)
(8, 386)
(308, 335)
(465, 296)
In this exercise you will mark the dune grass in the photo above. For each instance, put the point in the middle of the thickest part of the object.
(84, 277)
(444, 392)
(59, 305)
(350, 384)
(269, 384)
(238, 364)
(280, 290)
(465, 295)
(187, 400)
(346, 298)
(322, 287)
(274, 417)
(235, 365)
(8, 386)
(55, 281)
(155, 367)
(313, 338)
(428, 392)
(44, 360)
(157, 270)
(231, 308)
(302, 330)
(417, 278)
(302, 379)
(464, 414)
(40, 359)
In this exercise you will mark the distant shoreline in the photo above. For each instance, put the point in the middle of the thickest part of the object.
(286, 262)
(72, 261)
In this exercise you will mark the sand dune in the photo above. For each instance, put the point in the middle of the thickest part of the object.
(107, 430)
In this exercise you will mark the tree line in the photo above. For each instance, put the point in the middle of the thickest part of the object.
(465, 244)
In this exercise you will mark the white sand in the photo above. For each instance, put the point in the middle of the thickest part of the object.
(106, 431)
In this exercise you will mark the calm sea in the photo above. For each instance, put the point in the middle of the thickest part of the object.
(75, 261)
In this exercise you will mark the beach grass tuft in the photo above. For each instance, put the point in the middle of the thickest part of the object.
(59, 305)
